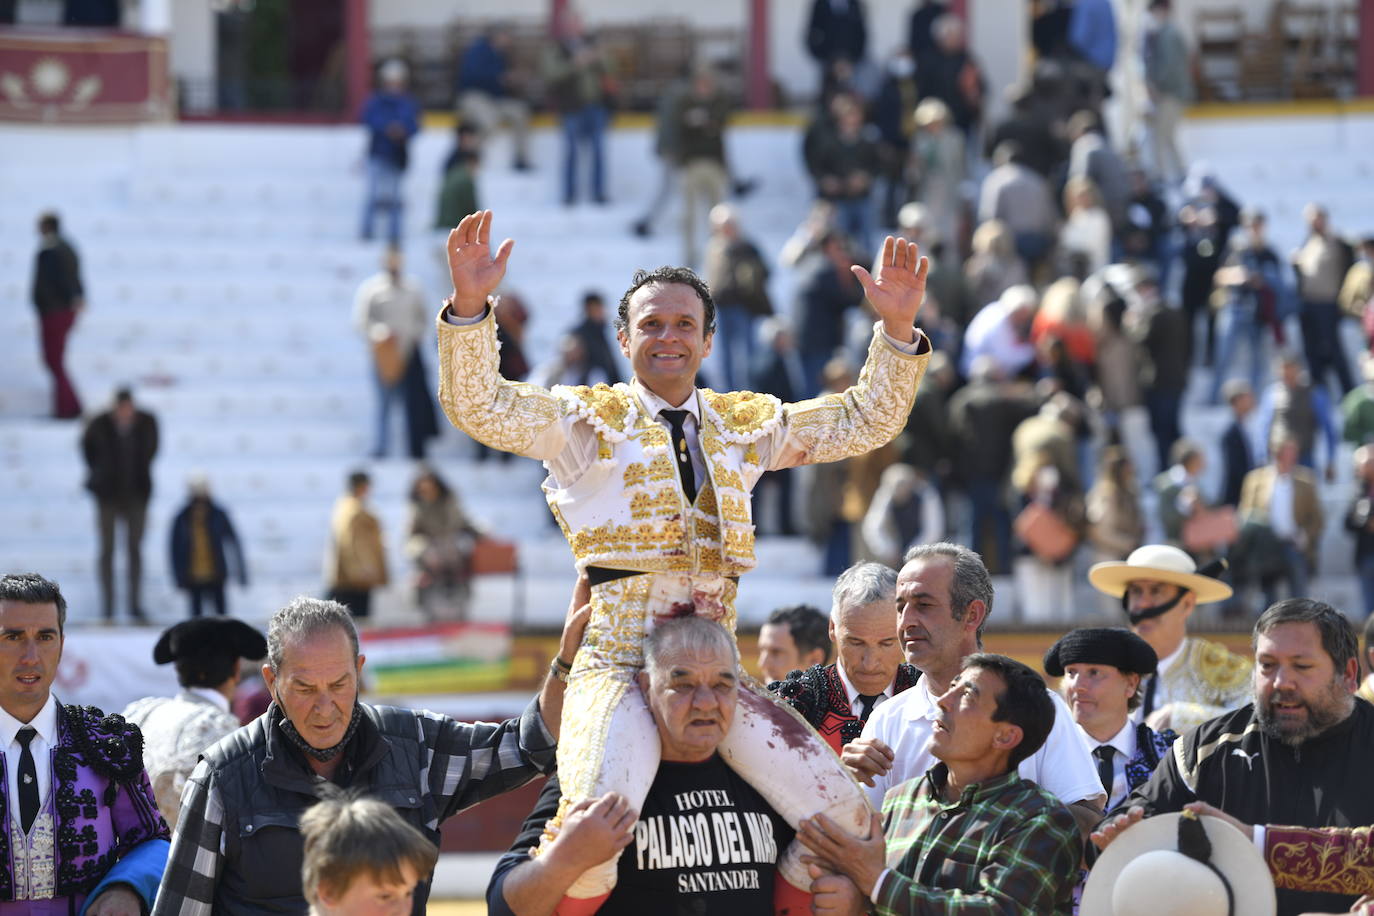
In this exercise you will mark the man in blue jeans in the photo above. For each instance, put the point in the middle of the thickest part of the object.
(392, 117)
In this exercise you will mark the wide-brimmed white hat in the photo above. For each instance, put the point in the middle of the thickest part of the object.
(1142, 872)
(1159, 562)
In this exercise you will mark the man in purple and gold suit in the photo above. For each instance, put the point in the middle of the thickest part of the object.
(82, 832)
(650, 482)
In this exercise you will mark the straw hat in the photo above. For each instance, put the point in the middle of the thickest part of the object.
(1143, 872)
(1159, 562)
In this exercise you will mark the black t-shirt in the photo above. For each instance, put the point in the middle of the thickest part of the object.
(706, 843)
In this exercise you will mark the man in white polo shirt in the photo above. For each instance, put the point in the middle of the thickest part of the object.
(944, 597)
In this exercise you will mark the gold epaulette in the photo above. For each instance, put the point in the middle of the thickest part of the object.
(1219, 667)
(609, 409)
(745, 416)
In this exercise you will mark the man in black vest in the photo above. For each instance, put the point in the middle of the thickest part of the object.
(238, 847)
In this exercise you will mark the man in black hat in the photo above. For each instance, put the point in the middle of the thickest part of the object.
(1101, 670)
(177, 730)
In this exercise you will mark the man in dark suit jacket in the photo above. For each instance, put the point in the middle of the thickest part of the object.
(119, 446)
(594, 333)
(837, 32)
(59, 298)
(778, 371)
(1237, 455)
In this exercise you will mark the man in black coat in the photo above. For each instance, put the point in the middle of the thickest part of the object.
(837, 31)
(596, 341)
(1237, 456)
(119, 446)
(201, 542)
(59, 298)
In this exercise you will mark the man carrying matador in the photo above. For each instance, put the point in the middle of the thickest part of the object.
(650, 482)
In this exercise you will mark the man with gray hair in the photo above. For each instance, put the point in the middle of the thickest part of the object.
(237, 846)
(944, 598)
(868, 670)
(703, 842)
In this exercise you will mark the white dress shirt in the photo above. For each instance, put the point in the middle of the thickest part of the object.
(45, 739)
(1162, 697)
(1063, 766)
(1281, 508)
(852, 693)
(1123, 743)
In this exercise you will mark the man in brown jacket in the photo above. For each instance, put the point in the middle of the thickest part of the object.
(356, 561)
(1282, 498)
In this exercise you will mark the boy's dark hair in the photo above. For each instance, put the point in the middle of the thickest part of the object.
(31, 588)
(663, 275)
(810, 628)
(1024, 702)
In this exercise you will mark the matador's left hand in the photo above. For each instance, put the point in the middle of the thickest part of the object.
(897, 287)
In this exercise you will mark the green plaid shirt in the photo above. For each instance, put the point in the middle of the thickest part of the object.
(1006, 846)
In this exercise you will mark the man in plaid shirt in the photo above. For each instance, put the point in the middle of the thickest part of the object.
(238, 847)
(970, 836)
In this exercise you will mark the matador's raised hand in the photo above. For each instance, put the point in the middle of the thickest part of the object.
(897, 288)
(475, 272)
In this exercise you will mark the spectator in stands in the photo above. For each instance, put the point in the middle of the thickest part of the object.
(391, 116)
(1031, 127)
(1294, 406)
(577, 79)
(1359, 521)
(1145, 233)
(1207, 220)
(946, 286)
(993, 266)
(1321, 265)
(361, 857)
(892, 113)
(1085, 239)
(830, 514)
(1254, 294)
(950, 74)
(836, 31)
(827, 290)
(738, 277)
(1020, 198)
(390, 312)
(177, 729)
(1282, 498)
(779, 372)
(1163, 332)
(844, 163)
(599, 364)
(1117, 372)
(983, 415)
(938, 168)
(59, 297)
(1092, 157)
(1046, 483)
(905, 511)
(1357, 407)
(440, 539)
(1237, 451)
(119, 446)
(928, 443)
(1166, 64)
(1357, 289)
(511, 319)
(1001, 331)
(489, 93)
(700, 116)
(355, 563)
(458, 184)
(202, 540)
(1115, 522)
(920, 31)
(793, 639)
(1179, 489)
(1092, 38)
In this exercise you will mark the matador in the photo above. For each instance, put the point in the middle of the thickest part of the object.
(650, 482)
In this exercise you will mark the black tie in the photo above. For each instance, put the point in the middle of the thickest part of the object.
(676, 419)
(868, 701)
(28, 780)
(1105, 772)
(1149, 705)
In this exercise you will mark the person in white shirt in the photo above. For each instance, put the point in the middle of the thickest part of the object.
(944, 598)
(1001, 331)
(389, 310)
(1160, 586)
(177, 730)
